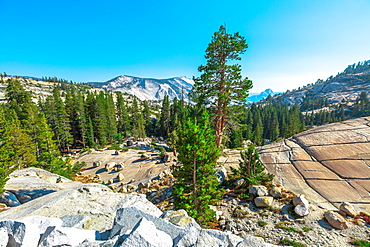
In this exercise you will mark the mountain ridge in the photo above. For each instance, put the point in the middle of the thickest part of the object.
(148, 88)
(346, 86)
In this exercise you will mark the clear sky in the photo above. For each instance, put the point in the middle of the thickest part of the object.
(291, 42)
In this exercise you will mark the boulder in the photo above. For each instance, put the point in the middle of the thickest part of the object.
(111, 181)
(120, 177)
(264, 201)
(348, 208)
(116, 152)
(144, 157)
(41, 223)
(301, 210)
(9, 199)
(110, 166)
(127, 218)
(146, 184)
(4, 238)
(145, 234)
(119, 167)
(187, 238)
(275, 192)
(129, 143)
(180, 218)
(75, 221)
(165, 158)
(239, 182)
(140, 202)
(300, 200)
(336, 220)
(93, 200)
(64, 236)
(258, 190)
(221, 173)
(216, 238)
(19, 234)
(97, 164)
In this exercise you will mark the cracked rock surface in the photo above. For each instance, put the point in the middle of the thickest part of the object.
(329, 163)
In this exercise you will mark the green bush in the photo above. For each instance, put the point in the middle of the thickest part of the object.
(288, 242)
(361, 243)
(262, 223)
(115, 147)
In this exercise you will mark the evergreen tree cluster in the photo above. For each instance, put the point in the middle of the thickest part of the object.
(270, 121)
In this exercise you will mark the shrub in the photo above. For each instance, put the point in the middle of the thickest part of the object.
(115, 147)
(262, 223)
(288, 242)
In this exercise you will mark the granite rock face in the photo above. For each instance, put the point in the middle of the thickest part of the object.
(329, 163)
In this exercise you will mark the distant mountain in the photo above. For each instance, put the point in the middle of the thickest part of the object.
(344, 87)
(255, 97)
(148, 88)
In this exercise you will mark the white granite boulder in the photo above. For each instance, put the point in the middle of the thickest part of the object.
(145, 234)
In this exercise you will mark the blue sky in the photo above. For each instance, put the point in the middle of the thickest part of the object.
(291, 42)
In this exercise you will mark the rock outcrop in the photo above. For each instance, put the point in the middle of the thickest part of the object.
(93, 215)
(329, 164)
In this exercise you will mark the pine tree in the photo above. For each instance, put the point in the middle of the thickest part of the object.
(165, 118)
(251, 168)
(123, 119)
(16, 148)
(221, 86)
(58, 119)
(196, 184)
(32, 121)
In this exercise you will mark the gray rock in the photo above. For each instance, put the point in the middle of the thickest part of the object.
(20, 234)
(258, 190)
(187, 238)
(275, 192)
(348, 209)
(129, 143)
(41, 223)
(144, 157)
(127, 218)
(336, 220)
(180, 218)
(75, 221)
(234, 240)
(165, 158)
(97, 243)
(264, 201)
(64, 236)
(221, 173)
(97, 164)
(140, 202)
(239, 182)
(301, 210)
(211, 237)
(109, 166)
(84, 200)
(145, 234)
(4, 238)
(300, 200)
(120, 177)
(9, 199)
